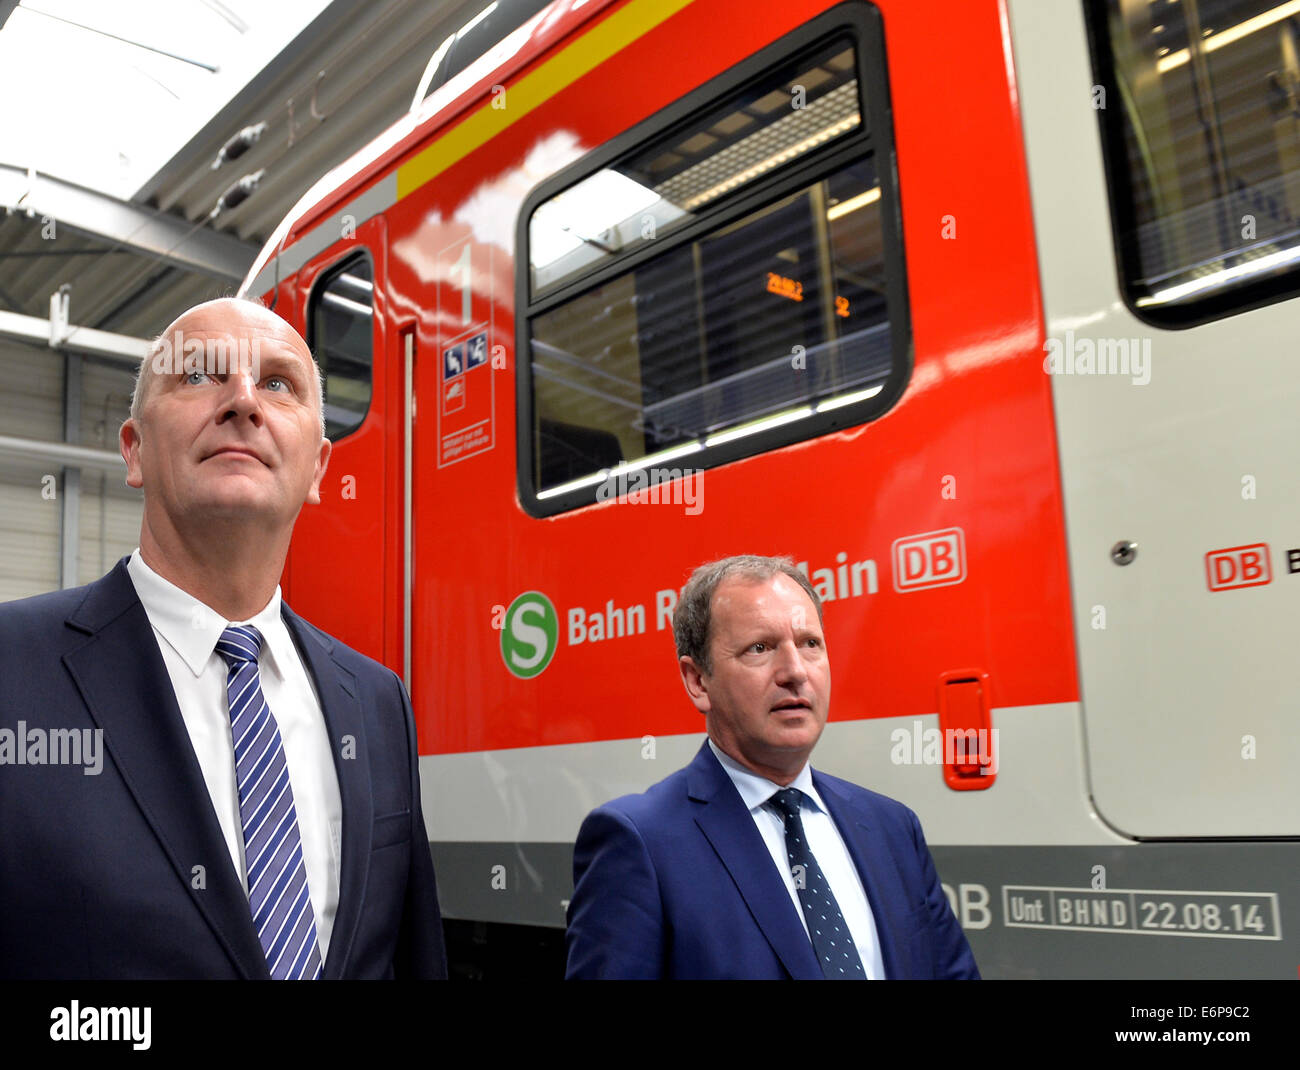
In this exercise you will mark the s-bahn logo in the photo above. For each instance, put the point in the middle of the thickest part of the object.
(935, 559)
(1238, 566)
(530, 632)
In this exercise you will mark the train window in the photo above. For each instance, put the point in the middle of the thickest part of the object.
(670, 182)
(1202, 136)
(729, 280)
(341, 336)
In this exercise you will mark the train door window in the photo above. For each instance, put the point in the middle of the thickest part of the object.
(1201, 127)
(723, 280)
(341, 335)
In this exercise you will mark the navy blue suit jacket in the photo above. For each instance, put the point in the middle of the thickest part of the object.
(97, 873)
(678, 883)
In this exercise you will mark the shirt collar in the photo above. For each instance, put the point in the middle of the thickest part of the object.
(192, 628)
(756, 790)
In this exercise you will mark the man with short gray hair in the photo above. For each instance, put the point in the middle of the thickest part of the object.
(747, 863)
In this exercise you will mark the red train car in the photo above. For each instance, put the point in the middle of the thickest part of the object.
(656, 281)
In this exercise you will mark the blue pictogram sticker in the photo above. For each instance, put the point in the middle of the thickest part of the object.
(453, 360)
(476, 351)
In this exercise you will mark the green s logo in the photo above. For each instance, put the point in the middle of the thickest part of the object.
(529, 634)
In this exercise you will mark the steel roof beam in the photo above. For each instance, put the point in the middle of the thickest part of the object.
(30, 449)
(170, 238)
(35, 331)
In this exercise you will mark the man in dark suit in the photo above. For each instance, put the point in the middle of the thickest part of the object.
(243, 800)
(748, 864)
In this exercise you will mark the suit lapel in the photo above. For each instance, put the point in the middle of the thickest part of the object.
(124, 684)
(876, 866)
(727, 824)
(337, 689)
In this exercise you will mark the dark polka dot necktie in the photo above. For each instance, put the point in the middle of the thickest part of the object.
(830, 935)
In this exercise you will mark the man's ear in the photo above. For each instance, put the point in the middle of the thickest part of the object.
(322, 462)
(128, 442)
(696, 683)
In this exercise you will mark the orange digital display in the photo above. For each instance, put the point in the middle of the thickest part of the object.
(783, 287)
(793, 289)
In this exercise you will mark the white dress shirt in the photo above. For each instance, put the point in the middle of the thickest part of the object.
(826, 844)
(187, 632)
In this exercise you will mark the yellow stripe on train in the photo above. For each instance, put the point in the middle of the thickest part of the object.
(598, 44)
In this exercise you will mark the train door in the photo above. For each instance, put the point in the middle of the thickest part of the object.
(1173, 373)
(336, 577)
(456, 446)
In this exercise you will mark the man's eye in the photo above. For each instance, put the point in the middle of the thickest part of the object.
(196, 378)
(758, 648)
(279, 381)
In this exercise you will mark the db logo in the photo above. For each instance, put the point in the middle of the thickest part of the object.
(1238, 566)
(935, 559)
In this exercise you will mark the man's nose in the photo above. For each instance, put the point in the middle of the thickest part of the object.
(789, 664)
(241, 398)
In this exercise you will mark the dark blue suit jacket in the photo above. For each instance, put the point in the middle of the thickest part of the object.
(678, 883)
(97, 873)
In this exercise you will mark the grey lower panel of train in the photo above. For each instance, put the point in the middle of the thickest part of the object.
(517, 883)
(1152, 910)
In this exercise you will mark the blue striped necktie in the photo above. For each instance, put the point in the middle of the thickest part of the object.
(836, 953)
(277, 877)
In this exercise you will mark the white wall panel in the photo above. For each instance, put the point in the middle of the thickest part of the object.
(31, 406)
(110, 510)
(29, 530)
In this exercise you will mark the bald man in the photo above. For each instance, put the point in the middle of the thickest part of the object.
(194, 781)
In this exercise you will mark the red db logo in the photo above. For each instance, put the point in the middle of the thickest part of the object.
(1238, 566)
(935, 559)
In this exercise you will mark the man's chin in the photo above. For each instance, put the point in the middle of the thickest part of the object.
(232, 508)
(795, 723)
(795, 740)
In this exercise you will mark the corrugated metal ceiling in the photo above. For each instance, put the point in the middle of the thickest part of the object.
(345, 78)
